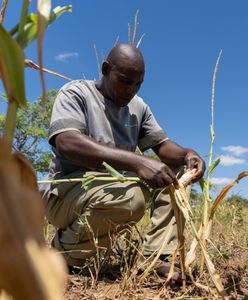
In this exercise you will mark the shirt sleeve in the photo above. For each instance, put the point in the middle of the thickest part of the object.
(151, 134)
(69, 112)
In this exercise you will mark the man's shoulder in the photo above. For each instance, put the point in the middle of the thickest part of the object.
(76, 90)
(76, 84)
(138, 103)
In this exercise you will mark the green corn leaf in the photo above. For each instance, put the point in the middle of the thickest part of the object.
(29, 32)
(24, 15)
(202, 184)
(113, 172)
(58, 11)
(14, 30)
(86, 182)
(12, 68)
(30, 29)
(213, 166)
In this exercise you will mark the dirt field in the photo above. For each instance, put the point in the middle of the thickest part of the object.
(112, 284)
(228, 250)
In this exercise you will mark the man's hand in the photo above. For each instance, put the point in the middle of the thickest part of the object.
(155, 173)
(175, 156)
(194, 161)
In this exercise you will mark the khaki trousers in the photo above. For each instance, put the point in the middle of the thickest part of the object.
(80, 216)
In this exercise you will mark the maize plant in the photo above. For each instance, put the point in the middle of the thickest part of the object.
(29, 270)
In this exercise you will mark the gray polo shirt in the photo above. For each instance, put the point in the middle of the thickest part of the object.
(80, 106)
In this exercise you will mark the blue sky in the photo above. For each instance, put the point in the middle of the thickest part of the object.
(181, 44)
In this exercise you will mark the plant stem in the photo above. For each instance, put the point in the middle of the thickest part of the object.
(207, 182)
(136, 179)
(3, 9)
(23, 17)
(10, 124)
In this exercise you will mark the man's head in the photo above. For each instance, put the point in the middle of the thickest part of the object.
(123, 73)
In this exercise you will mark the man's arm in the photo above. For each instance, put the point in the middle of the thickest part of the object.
(84, 151)
(174, 155)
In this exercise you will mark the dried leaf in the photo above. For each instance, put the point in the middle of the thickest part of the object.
(29, 270)
(224, 191)
(213, 273)
(44, 8)
(181, 207)
(140, 40)
(135, 26)
(191, 255)
(27, 174)
(3, 9)
(154, 262)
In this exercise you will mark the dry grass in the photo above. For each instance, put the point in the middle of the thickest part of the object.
(118, 277)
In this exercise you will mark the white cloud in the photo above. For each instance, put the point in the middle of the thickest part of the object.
(228, 160)
(221, 180)
(64, 57)
(235, 150)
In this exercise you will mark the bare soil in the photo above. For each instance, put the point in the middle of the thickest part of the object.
(113, 284)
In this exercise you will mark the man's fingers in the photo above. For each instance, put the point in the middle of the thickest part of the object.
(172, 178)
(163, 180)
(200, 169)
(193, 162)
(199, 173)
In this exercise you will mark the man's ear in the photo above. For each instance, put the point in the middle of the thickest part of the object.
(106, 67)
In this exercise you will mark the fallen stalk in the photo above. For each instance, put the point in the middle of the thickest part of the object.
(181, 209)
(84, 178)
(29, 63)
(87, 180)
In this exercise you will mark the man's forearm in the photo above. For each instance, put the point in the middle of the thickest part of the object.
(171, 153)
(174, 155)
(85, 152)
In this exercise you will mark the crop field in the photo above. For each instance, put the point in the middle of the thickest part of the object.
(228, 250)
(212, 250)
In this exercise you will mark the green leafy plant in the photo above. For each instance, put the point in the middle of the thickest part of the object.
(32, 131)
(25, 270)
(12, 58)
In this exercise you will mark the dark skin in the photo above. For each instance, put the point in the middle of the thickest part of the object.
(123, 73)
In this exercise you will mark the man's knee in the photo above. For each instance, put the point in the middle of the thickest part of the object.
(138, 195)
(55, 214)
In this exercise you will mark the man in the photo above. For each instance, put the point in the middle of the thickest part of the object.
(96, 121)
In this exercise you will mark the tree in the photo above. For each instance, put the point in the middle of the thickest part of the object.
(32, 131)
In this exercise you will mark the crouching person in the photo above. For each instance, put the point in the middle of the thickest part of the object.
(96, 121)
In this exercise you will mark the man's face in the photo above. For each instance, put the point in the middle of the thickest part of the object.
(123, 81)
